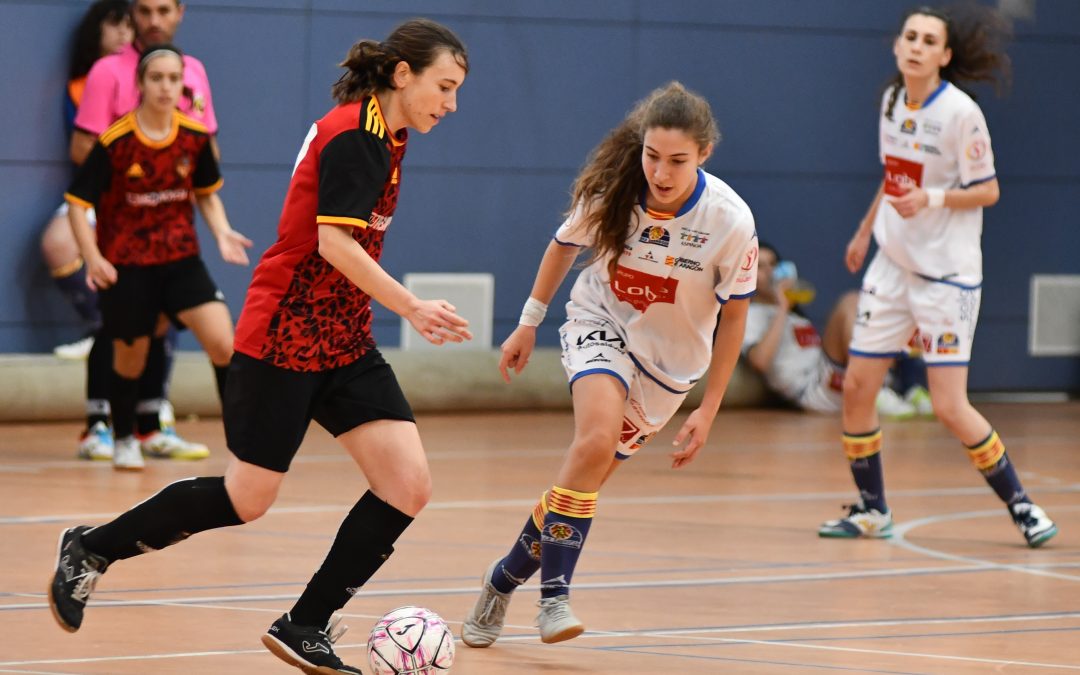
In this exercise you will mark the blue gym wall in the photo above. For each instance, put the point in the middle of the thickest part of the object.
(794, 84)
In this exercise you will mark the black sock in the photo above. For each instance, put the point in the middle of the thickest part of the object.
(83, 298)
(152, 387)
(363, 543)
(123, 397)
(221, 375)
(98, 375)
(172, 337)
(178, 511)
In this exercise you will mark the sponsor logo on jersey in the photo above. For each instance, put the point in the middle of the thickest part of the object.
(655, 235)
(928, 149)
(683, 263)
(806, 336)
(901, 175)
(931, 127)
(976, 150)
(135, 171)
(908, 126)
(948, 343)
(648, 257)
(642, 289)
(693, 238)
(156, 198)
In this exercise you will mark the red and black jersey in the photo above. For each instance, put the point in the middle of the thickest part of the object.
(142, 189)
(300, 312)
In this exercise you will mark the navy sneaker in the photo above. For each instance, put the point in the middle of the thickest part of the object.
(308, 648)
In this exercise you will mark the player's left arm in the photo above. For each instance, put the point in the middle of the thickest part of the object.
(725, 354)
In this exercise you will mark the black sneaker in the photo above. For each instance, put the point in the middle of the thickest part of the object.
(77, 572)
(308, 648)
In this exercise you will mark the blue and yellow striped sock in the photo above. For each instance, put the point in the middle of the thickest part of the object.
(524, 558)
(566, 525)
(864, 453)
(990, 458)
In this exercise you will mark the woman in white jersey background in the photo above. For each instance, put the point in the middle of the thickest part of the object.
(670, 244)
(800, 365)
(926, 277)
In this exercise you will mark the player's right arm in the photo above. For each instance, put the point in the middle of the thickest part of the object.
(89, 184)
(860, 242)
(554, 267)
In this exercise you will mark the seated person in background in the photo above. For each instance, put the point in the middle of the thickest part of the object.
(799, 365)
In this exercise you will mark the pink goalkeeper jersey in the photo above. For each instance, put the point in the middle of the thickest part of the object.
(111, 92)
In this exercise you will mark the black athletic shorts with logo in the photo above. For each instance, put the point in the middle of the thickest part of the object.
(130, 307)
(267, 409)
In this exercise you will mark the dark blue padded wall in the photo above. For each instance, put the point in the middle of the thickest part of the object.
(794, 84)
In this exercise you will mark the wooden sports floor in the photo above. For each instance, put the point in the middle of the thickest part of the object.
(716, 568)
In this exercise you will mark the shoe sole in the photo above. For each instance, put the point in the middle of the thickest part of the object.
(52, 601)
(824, 534)
(117, 467)
(1043, 538)
(483, 582)
(568, 633)
(282, 651)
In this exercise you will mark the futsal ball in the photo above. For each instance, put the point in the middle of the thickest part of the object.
(411, 641)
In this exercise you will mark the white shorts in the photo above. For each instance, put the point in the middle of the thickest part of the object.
(591, 346)
(824, 392)
(898, 308)
(91, 215)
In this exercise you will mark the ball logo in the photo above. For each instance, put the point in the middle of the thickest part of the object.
(641, 289)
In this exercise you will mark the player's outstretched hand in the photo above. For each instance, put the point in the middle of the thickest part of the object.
(232, 245)
(856, 251)
(694, 432)
(100, 273)
(437, 322)
(516, 350)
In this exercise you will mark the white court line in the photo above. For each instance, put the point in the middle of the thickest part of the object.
(611, 585)
(899, 539)
(481, 504)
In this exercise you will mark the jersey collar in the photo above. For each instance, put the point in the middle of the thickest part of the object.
(929, 99)
(690, 203)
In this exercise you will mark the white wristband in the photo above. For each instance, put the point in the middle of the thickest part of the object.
(532, 314)
(935, 198)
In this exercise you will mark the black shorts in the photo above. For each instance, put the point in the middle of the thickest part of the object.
(267, 409)
(130, 307)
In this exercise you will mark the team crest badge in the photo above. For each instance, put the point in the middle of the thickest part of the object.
(948, 343)
(562, 534)
(655, 235)
(183, 167)
(198, 103)
(908, 126)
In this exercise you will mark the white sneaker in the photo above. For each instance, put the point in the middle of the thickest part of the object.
(859, 522)
(919, 397)
(891, 406)
(1033, 522)
(75, 351)
(557, 621)
(96, 442)
(167, 444)
(126, 455)
(485, 623)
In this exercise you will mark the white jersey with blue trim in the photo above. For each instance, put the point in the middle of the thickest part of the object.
(675, 272)
(944, 144)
